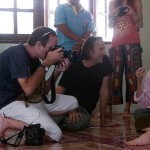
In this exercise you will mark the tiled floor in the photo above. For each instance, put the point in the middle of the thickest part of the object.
(94, 138)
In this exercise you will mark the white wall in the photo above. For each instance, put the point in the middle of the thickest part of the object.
(4, 46)
(145, 40)
(145, 34)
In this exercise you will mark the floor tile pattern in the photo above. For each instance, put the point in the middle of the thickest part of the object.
(94, 138)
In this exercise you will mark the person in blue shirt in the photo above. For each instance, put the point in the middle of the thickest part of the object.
(21, 75)
(74, 24)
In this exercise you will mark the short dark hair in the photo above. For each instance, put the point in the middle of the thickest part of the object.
(40, 34)
(88, 46)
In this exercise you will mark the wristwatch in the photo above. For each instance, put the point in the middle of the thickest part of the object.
(44, 67)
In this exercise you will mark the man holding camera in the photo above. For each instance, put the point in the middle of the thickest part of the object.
(74, 24)
(22, 73)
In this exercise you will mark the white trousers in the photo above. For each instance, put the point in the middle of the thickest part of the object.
(38, 113)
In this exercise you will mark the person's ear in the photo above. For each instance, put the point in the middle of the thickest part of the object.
(92, 52)
(38, 44)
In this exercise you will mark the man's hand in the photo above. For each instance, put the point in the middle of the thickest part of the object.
(74, 117)
(53, 57)
(76, 47)
(63, 65)
(78, 44)
(139, 76)
(139, 73)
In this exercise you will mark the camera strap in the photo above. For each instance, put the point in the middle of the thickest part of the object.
(17, 141)
(53, 91)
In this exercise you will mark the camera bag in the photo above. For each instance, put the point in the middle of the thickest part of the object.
(33, 136)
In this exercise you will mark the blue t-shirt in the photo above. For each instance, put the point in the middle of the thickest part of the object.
(15, 63)
(78, 24)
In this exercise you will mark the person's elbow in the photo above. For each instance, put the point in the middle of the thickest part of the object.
(56, 26)
(140, 25)
(60, 26)
(28, 91)
(140, 21)
(26, 86)
(110, 25)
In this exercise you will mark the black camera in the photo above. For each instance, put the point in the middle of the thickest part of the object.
(56, 47)
(67, 54)
(34, 135)
(123, 10)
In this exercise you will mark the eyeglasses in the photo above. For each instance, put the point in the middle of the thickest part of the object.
(47, 34)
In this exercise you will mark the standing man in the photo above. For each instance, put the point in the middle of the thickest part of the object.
(74, 24)
(87, 80)
(21, 72)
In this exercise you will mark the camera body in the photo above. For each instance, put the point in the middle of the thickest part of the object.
(67, 54)
(123, 10)
(34, 135)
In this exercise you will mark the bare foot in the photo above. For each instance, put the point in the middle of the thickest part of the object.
(144, 139)
(108, 113)
(126, 114)
(110, 123)
(96, 115)
(2, 126)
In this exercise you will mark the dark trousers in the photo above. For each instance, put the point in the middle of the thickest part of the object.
(81, 124)
(142, 119)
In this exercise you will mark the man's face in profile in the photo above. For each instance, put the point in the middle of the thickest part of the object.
(98, 51)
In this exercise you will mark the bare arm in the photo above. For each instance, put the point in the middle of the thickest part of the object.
(30, 84)
(112, 14)
(138, 17)
(139, 75)
(78, 45)
(104, 95)
(66, 31)
(79, 40)
(142, 95)
(87, 35)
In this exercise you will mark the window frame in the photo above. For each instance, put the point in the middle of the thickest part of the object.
(38, 20)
